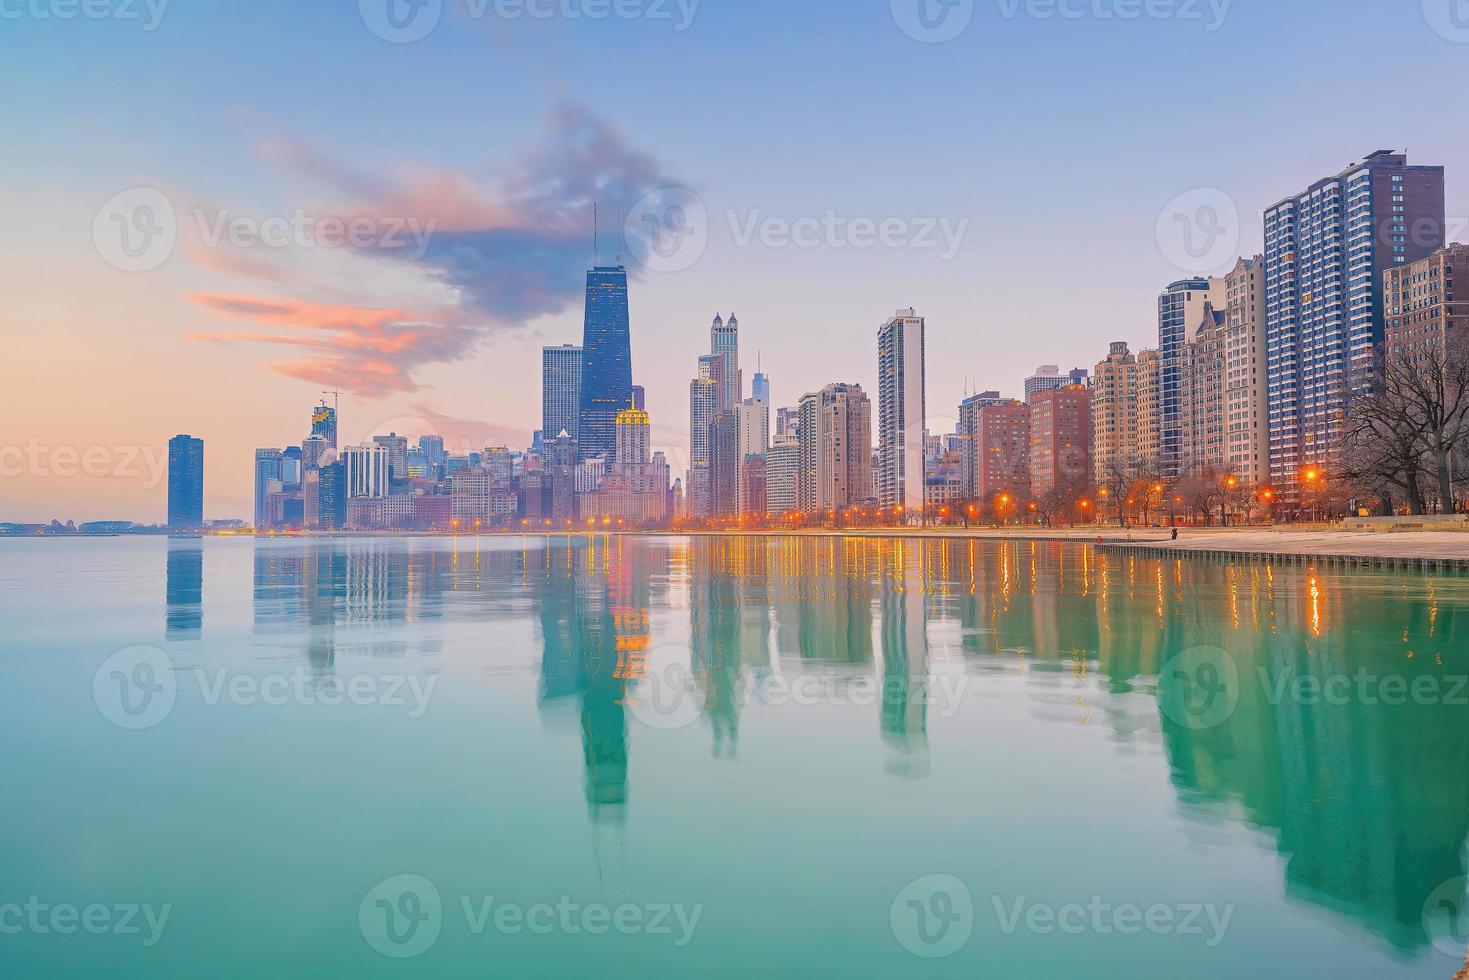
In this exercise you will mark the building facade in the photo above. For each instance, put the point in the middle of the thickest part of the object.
(606, 374)
(560, 390)
(1326, 252)
(1114, 411)
(1060, 437)
(901, 426)
(185, 482)
(1427, 303)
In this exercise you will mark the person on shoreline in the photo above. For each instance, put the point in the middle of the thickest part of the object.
(1175, 534)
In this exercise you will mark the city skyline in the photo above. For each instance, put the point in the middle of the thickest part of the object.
(214, 326)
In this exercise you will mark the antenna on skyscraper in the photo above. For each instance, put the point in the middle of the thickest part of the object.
(619, 236)
(596, 253)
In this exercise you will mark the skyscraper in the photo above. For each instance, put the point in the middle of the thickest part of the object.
(782, 466)
(754, 422)
(1247, 442)
(1180, 314)
(968, 437)
(1326, 250)
(331, 496)
(432, 449)
(1060, 440)
(267, 481)
(703, 407)
(606, 376)
(560, 390)
(324, 423)
(1002, 455)
(843, 431)
(397, 449)
(900, 395)
(367, 470)
(185, 482)
(724, 342)
(1114, 414)
(760, 385)
(724, 465)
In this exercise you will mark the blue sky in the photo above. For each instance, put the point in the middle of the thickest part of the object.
(1053, 141)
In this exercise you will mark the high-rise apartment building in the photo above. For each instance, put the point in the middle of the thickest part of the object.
(704, 394)
(782, 471)
(900, 395)
(1060, 439)
(1427, 302)
(1202, 397)
(843, 447)
(968, 442)
(1326, 252)
(560, 391)
(185, 482)
(1149, 425)
(1114, 411)
(1002, 452)
(754, 422)
(1246, 410)
(1180, 314)
(809, 434)
(606, 375)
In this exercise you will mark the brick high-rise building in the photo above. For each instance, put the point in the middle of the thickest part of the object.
(1060, 440)
(1427, 301)
(1002, 451)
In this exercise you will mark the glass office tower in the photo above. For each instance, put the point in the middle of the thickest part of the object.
(606, 378)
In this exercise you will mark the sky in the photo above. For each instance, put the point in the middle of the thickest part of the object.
(214, 212)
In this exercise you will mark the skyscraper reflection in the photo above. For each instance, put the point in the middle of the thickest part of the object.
(184, 578)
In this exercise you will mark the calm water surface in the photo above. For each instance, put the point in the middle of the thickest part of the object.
(731, 758)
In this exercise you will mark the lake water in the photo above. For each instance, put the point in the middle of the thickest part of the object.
(627, 757)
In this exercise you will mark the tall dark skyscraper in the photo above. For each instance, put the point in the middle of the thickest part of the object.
(606, 377)
(185, 482)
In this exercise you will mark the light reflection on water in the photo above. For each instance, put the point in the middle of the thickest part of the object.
(1008, 712)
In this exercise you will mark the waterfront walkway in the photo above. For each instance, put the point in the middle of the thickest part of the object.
(1449, 549)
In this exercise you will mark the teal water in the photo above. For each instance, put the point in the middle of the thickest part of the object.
(622, 757)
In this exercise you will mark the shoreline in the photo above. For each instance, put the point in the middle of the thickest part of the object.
(1391, 546)
(1394, 547)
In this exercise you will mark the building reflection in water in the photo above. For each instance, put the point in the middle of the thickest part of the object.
(1366, 802)
(183, 616)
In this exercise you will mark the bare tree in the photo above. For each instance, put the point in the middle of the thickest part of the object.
(1431, 378)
